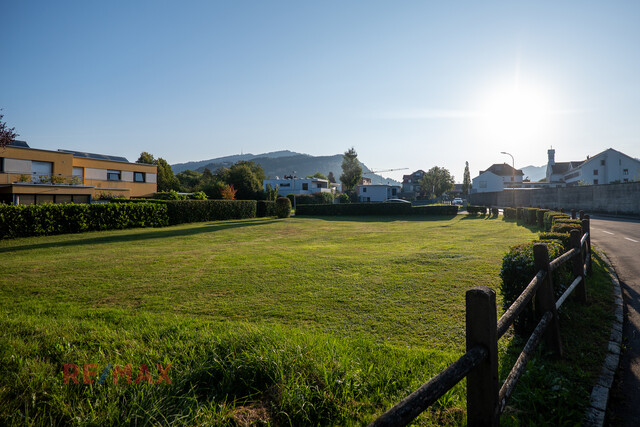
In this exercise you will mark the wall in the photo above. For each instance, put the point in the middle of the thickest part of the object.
(610, 198)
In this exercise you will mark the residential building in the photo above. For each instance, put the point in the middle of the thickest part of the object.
(411, 182)
(606, 167)
(497, 178)
(293, 185)
(34, 176)
(377, 192)
(556, 171)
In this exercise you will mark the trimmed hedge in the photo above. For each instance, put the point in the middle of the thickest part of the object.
(509, 213)
(529, 216)
(474, 210)
(518, 269)
(495, 212)
(183, 211)
(549, 218)
(312, 199)
(283, 207)
(48, 219)
(265, 208)
(520, 214)
(118, 200)
(381, 209)
(540, 217)
(565, 228)
(564, 238)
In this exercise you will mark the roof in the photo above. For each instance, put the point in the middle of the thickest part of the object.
(16, 143)
(564, 167)
(418, 173)
(95, 156)
(503, 170)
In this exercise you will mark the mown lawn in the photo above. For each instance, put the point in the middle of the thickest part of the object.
(296, 321)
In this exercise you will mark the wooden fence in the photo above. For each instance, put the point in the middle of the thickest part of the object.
(485, 400)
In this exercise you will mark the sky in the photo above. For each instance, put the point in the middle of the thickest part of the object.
(411, 84)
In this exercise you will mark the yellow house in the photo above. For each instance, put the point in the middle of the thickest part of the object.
(29, 175)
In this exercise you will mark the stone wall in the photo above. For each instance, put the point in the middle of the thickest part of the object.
(610, 198)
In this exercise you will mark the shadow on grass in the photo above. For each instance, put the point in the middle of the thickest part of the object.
(139, 234)
(381, 218)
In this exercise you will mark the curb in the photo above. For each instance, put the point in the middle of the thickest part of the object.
(600, 394)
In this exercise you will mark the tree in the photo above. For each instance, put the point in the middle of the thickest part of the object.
(436, 181)
(189, 180)
(318, 175)
(351, 170)
(331, 178)
(229, 193)
(166, 179)
(246, 178)
(466, 181)
(7, 135)
(146, 158)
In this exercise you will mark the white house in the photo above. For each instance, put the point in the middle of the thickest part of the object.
(604, 168)
(377, 192)
(298, 185)
(497, 178)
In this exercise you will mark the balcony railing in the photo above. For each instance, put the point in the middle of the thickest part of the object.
(47, 179)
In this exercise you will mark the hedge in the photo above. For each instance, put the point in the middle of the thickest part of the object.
(540, 217)
(518, 269)
(529, 216)
(119, 200)
(283, 207)
(312, 199)
(509, 213)
(549, 218)
(47, 219)
(265, 208)
(183, 211)
(564, 238)
(565, 228)
(382, 209)
(474, 210)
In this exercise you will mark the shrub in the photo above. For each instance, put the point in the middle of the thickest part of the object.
(312, 199)
(562, 227)
(41, 220)
(283, 207)
(170, 195)
(549, 219)
(265, 208)
(495, 212)
(566, 220)
(509, 213)
(344, 198)
(564, 238)
(540, 218)
(529, 216)
(200, 195)
(184, 211)
(518, 269)
(123, 200)
(474, 210)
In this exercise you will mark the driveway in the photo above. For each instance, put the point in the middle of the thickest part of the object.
(620, 240)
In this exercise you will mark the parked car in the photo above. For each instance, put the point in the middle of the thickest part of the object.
(397, 201)
(457, 201)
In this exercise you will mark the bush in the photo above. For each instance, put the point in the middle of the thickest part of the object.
(312, 199)
(382, 209)
(567, 220)
(48, 219)
(474, 210)
(549, 219)
(266, 208)
(495, 212)
(561, 227)
(519, 214)
(518, 269)
(283, 207)
(344, 198)
(170, 195)
(564, 238)
(184, 211)
(540, 218)
(122, 200)
(529, 216)
(509, 213)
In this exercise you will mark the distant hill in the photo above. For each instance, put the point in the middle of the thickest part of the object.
(535, 173)
(281, 163)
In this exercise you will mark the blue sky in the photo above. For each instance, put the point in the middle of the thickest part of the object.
(408, 84)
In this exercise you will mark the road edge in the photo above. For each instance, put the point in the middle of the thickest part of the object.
(596, 412)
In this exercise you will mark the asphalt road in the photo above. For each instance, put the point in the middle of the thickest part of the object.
(620, 240)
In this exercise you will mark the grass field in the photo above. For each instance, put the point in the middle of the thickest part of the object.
(296, 321)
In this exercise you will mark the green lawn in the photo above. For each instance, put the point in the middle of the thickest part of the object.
(296, 321)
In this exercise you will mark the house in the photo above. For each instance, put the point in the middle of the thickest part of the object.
(34, 176)
(497, 178)
(609, 166)
(411, 182)
(377, 192)
(294, 185)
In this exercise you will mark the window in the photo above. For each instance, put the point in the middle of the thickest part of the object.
(305, 186)
(286, 184)
(364, 189)
(483, 184)
(625, 171)
(138, 177)
(595, 172)
(602, 162)
(113, 175)
(595, 182)
(393, 191)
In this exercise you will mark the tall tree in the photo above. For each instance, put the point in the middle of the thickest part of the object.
(318, 175)
(331, 178)
(436, 181)
(351, 170)
(466, 181)
(246, 178)
(167, 181)
(146, 158)
(7, 134)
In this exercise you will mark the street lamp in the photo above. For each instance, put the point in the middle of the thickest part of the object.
(293, 176)
(513, 172)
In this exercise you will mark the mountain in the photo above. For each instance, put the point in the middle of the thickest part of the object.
(535, 173)
(281, 163)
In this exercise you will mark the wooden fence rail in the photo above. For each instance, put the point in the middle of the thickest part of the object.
(485, 400)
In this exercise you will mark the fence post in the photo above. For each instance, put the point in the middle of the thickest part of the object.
(573, 214)
(586, 228)
(581, 215)
(546, 300)
(581, 289)
(482, 381)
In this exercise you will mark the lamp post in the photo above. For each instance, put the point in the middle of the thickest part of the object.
(513, 178)
(293, 176)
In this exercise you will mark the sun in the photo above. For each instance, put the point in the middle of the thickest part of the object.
(516, 113)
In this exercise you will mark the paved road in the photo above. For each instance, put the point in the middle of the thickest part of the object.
(620, 240)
